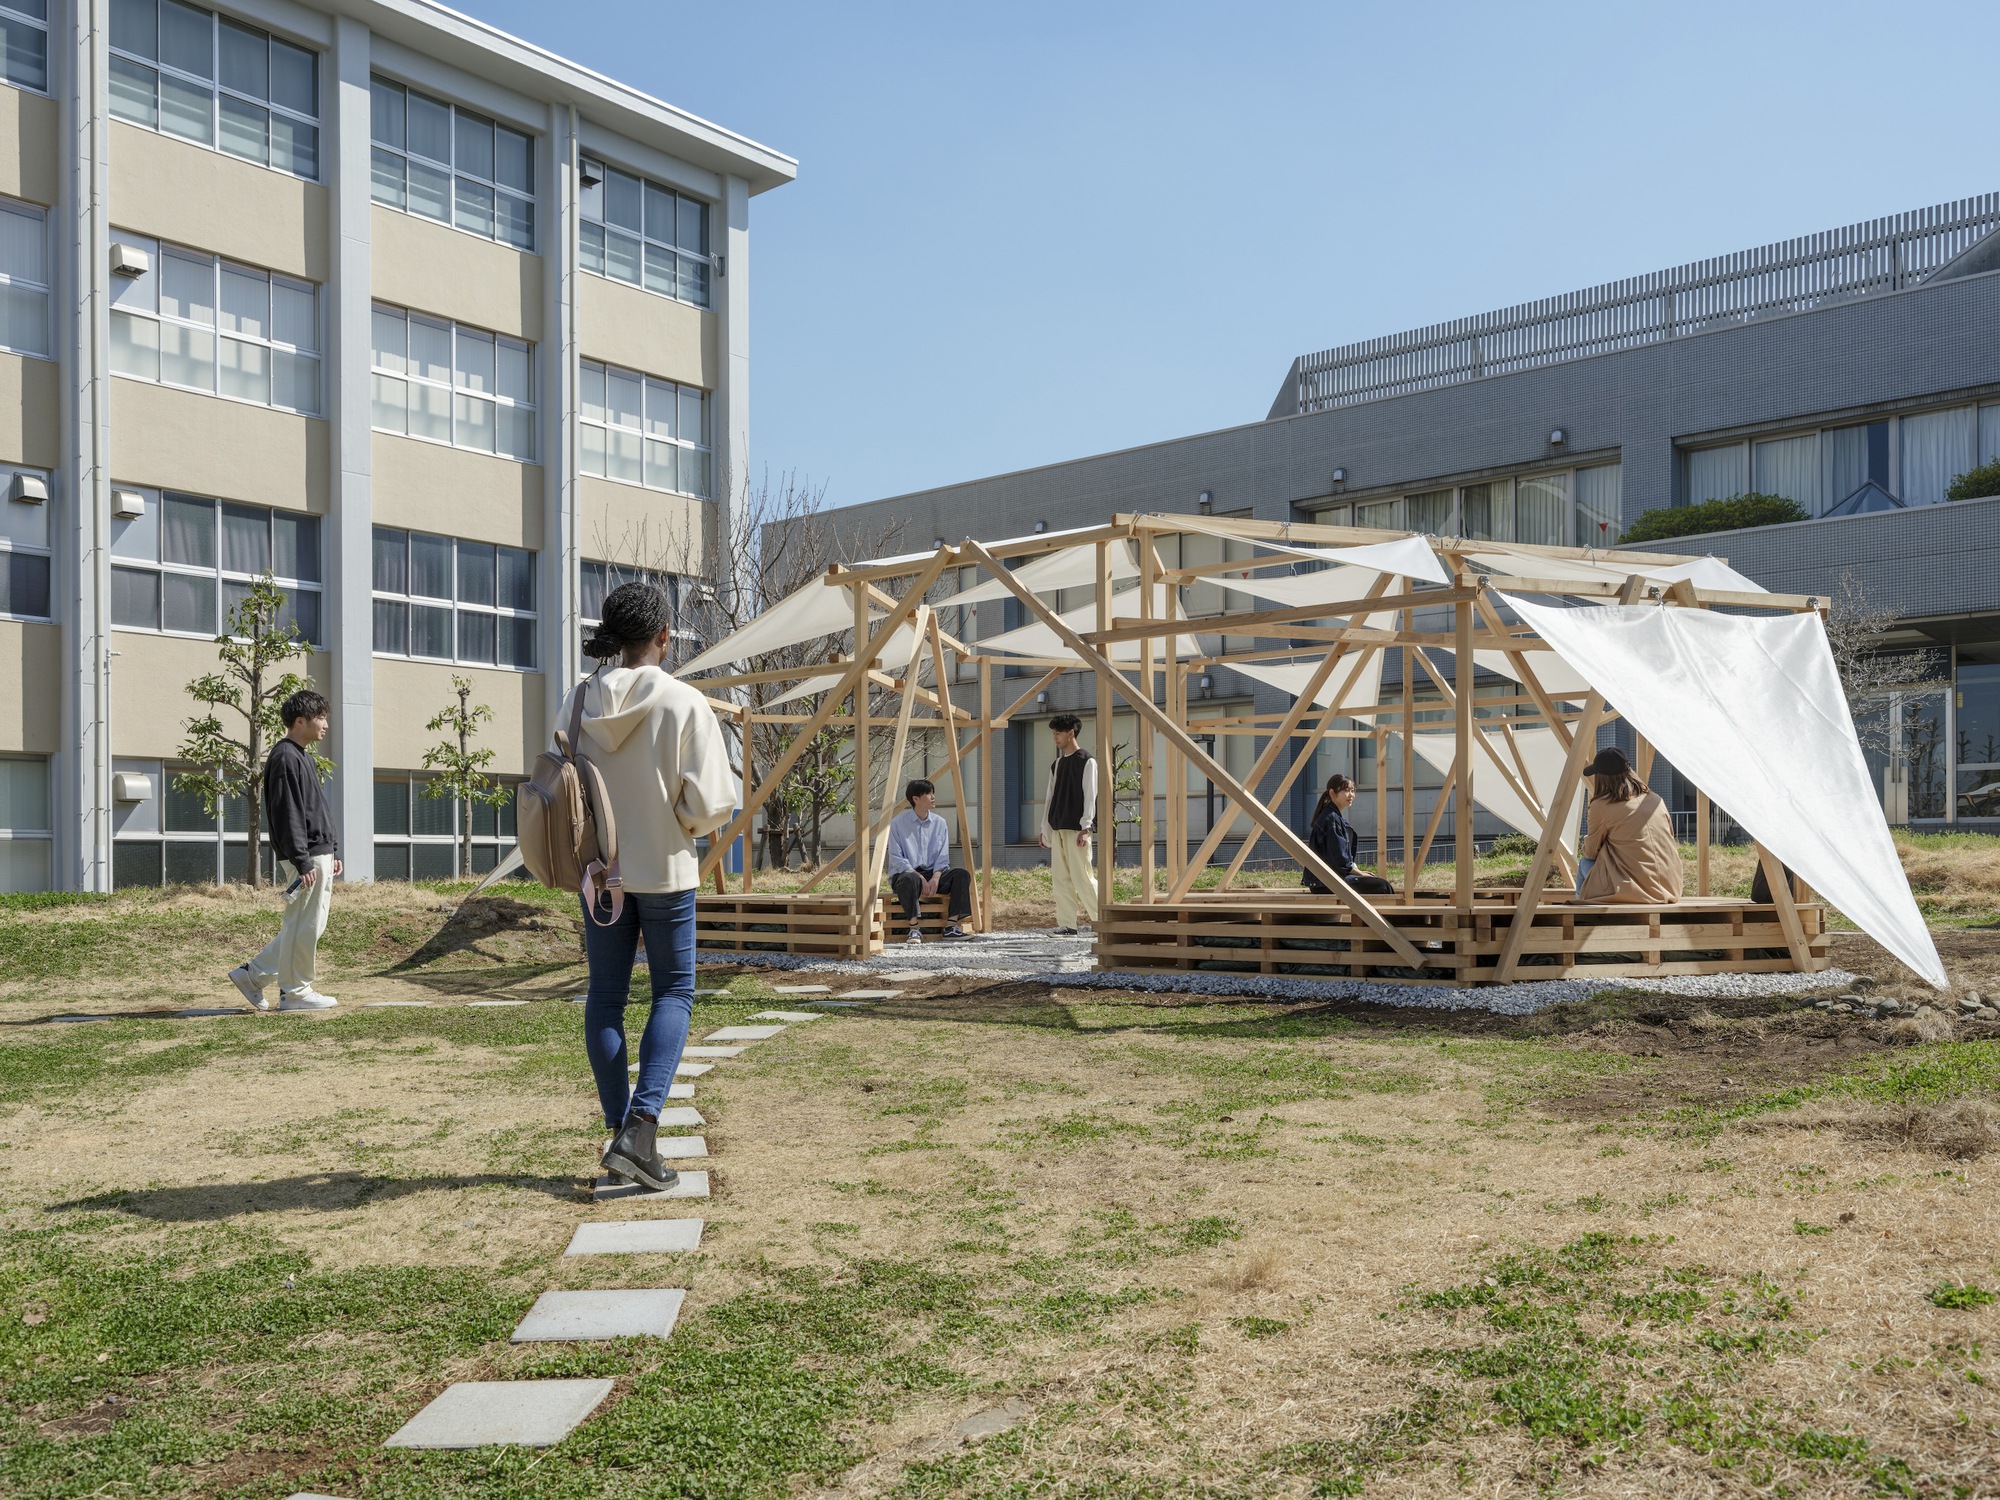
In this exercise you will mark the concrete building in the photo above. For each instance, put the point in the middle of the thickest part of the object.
(437, 328)
(1856, 372)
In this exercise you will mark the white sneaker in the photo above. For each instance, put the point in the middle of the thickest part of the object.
(916, 935)
(244, 980)
(306, 1000)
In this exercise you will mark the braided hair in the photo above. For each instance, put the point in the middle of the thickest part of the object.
(634, 614)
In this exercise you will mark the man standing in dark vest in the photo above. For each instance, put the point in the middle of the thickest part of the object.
(1068, 814)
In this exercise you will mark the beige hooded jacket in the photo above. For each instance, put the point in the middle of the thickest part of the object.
(659, 748)
(1637, 858)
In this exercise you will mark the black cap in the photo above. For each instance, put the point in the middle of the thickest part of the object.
(1610, 761)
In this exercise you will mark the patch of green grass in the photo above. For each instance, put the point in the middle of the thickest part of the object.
(1931, 1074)
(1802, 1226)
(1259, 1328)
(1959, 1294)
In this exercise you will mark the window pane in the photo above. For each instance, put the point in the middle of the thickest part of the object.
(295, 546)
(693, 226)
(694, 472)
(661, 276)
(1600, 506)
(430, 350)
(246, 302)
(694, 280)
(135, 598)
(391, 560)
(295, 79)
(622, 455)
(1788, 467)
(659, 214)
(392, 807)
(514, 221)
(430, 191)
(591, 603)
(1539, 506)
(622, 396)
(135, 347)
(516, 570)
(186, 109)
(387, 339)
(592, 394)
(475, 207)
(623, 202)
(27, 53)
(430, 412)
(187, 289)
(661, 403)
(430, 128)
(24, 314)
(392, 626)
(392, 861)
(135, 864)
(135, 92)
(300, 610)
(182, 812)
(692, 429)
(475, 425)
(1715, 473)
(477, 638)
(389, 185)
(246, 539)
(475, 572)
(517, 432)
(135, 27)
(590, 247)
(390, 410)
(475, 361)
(190, 862)
(513, 372)
(385, 113)
(187, 531)
(430, 565)
(190, 603)
(517, 646)
(662, 470)
(24, 584)
(1937, 448)
(591, 441)
(511, 161)
(246, 60)
(187, 356)
(24, 795)
(475, 145)
(430, 631)
(294, 146)
(294, 380)
(294, 317)
(433, 817)
(187, 38)
(621, 257)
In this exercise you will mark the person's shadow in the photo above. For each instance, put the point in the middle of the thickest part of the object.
(315, 1192)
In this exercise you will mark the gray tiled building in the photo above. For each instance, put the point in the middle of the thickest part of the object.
(1856, 372)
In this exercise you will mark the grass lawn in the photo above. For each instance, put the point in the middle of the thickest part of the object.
(984, 1240)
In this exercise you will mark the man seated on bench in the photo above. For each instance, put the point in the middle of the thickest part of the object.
(919, 862)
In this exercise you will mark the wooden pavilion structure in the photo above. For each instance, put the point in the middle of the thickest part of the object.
(1144, 651)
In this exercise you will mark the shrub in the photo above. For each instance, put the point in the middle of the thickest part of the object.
(1513, 843)
(1733, 514)
(1976, 484)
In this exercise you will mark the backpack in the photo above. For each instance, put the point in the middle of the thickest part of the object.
(564, 825)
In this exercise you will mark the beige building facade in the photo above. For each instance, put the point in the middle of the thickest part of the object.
(443, 333)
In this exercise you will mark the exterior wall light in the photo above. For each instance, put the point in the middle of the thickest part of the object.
(1041, 700)
(1207, 684)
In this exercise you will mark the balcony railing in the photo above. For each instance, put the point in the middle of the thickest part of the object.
(1836, 265)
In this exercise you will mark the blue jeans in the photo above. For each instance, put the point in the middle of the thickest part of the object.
(1582, 873)
(667, 920)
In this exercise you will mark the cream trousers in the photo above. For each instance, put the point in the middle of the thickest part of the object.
(1074, 876)
(292, 955)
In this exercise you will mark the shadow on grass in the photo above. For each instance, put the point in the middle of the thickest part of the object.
(319, 1192)
(475, 919)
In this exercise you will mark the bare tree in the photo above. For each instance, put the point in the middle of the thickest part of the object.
(1875, 678)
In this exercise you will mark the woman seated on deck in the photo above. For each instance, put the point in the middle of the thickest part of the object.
(1332, 839)
(1629, 854)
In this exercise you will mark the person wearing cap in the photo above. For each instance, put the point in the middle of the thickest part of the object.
(1629, 855)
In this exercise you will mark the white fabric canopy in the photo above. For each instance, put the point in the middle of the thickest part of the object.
(1706, 572)
(1037, 639)
(817, 608)
(895, 659)
(1751, 711)
(1544, 755)
(1071, 568)
(1410, 556)
(1292, 677)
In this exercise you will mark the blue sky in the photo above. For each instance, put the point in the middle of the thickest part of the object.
(1026, 233)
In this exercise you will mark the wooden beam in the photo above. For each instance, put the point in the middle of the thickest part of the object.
(899, 744)
(1788, 911)
(1149, 577)
(987, 744)
(1287, 840)
(1126, 628)
(953, 764)
(1467, 735)
(1445, 790)
(1107, 767)
(1409, 771)
(1525, 675)
(1702, 818)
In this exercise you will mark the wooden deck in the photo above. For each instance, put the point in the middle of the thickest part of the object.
(820, 923)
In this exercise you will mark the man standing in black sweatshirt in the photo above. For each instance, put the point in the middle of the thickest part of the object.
(302, 836)
(1069, 811)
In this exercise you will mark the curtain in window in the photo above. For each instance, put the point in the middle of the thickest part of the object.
(1539, 506)
(1850, 457)
(1789, 467)
(1937, 448)
(187, 533)
(1989, 433)
(1714, 473)
(1600, 505)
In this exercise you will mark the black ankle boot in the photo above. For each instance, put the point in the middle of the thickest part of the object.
(635, 1155)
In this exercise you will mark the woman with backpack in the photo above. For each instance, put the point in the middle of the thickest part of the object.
(659, 773)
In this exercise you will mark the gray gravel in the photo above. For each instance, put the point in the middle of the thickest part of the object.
(1045, 958)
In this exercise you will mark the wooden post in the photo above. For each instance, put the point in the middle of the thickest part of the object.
(1788, 911)
(877, 849)
(987, 743)
(749, 847)
(1381, 796)
(1702, 818)
(1107, 754)
(864, 893)
(1149, 579)
(953, 763)
(1410, 763)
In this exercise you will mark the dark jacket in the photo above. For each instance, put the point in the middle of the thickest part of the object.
(1332, 839)
(295, 807)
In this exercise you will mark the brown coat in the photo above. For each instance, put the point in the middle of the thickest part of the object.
(1637, 858)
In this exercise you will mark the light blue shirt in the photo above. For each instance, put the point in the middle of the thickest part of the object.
(917, 843)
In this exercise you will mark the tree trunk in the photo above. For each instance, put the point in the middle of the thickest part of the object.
(465, 812)
(253, 787)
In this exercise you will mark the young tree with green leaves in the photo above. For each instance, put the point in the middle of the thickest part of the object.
(458, 770)
(256, 642)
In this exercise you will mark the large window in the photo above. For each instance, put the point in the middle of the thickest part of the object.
(187, 561)
(24, 279)
(448, 383)
(639, 430)
(446, 600)
(599, 579)
(208, 324)
(24, 43)
(1600, 506)
(416, 837)
(637, 231)
(449, 164)
(188, 72)
(24, 555)
(169, 838)
(1547, 510)
(27, 829)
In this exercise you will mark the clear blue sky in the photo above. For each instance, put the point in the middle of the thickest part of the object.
(1026, 233)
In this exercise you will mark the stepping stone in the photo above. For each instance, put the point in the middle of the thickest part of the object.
(490, 1003)
(794, 1017)
(395, 1004)
(743, 1034)
(681, 1119)
(217, 1010)
(868, 995)
(681, 1147)
(693, 1069)
(711, 992)
(558, 1317)
(802, 989)
(712, 1051)
(637, 1237)
(474, 1413)
(690, 1185)
(904, 976)
(680, 1091)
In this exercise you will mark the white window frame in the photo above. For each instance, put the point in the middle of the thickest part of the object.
(39, 23)
(666, 268)
(408, 598)
(137, 300)
(496, 843)
(221, 576)
(42, 836)
(601, 428)
(12, 546)
(217, 91)
(10, 283)
(383, 155)
(460, 396)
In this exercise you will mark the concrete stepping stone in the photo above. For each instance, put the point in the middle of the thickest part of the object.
(791, 1017)
(681, 1147)
(631, 1313)
(802, 989)
(870, 995)
(711, 1051)
(711, 992)
(475, 1413)
(637, 1237)
(906, 976)
(681, 1119)
(491, 1003)
(680, 1091)
(689, 1185)
(743, 1034)
(396, 1004)
(693, 1069)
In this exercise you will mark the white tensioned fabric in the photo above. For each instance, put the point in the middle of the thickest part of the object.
(1751, 711)
(807, 613)
(1006, 541)
(1705, 572)
(1410, 556)
(1292, 677)
(895, 658)
(1544, 755)
(1071, 568)
(1037, 639)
